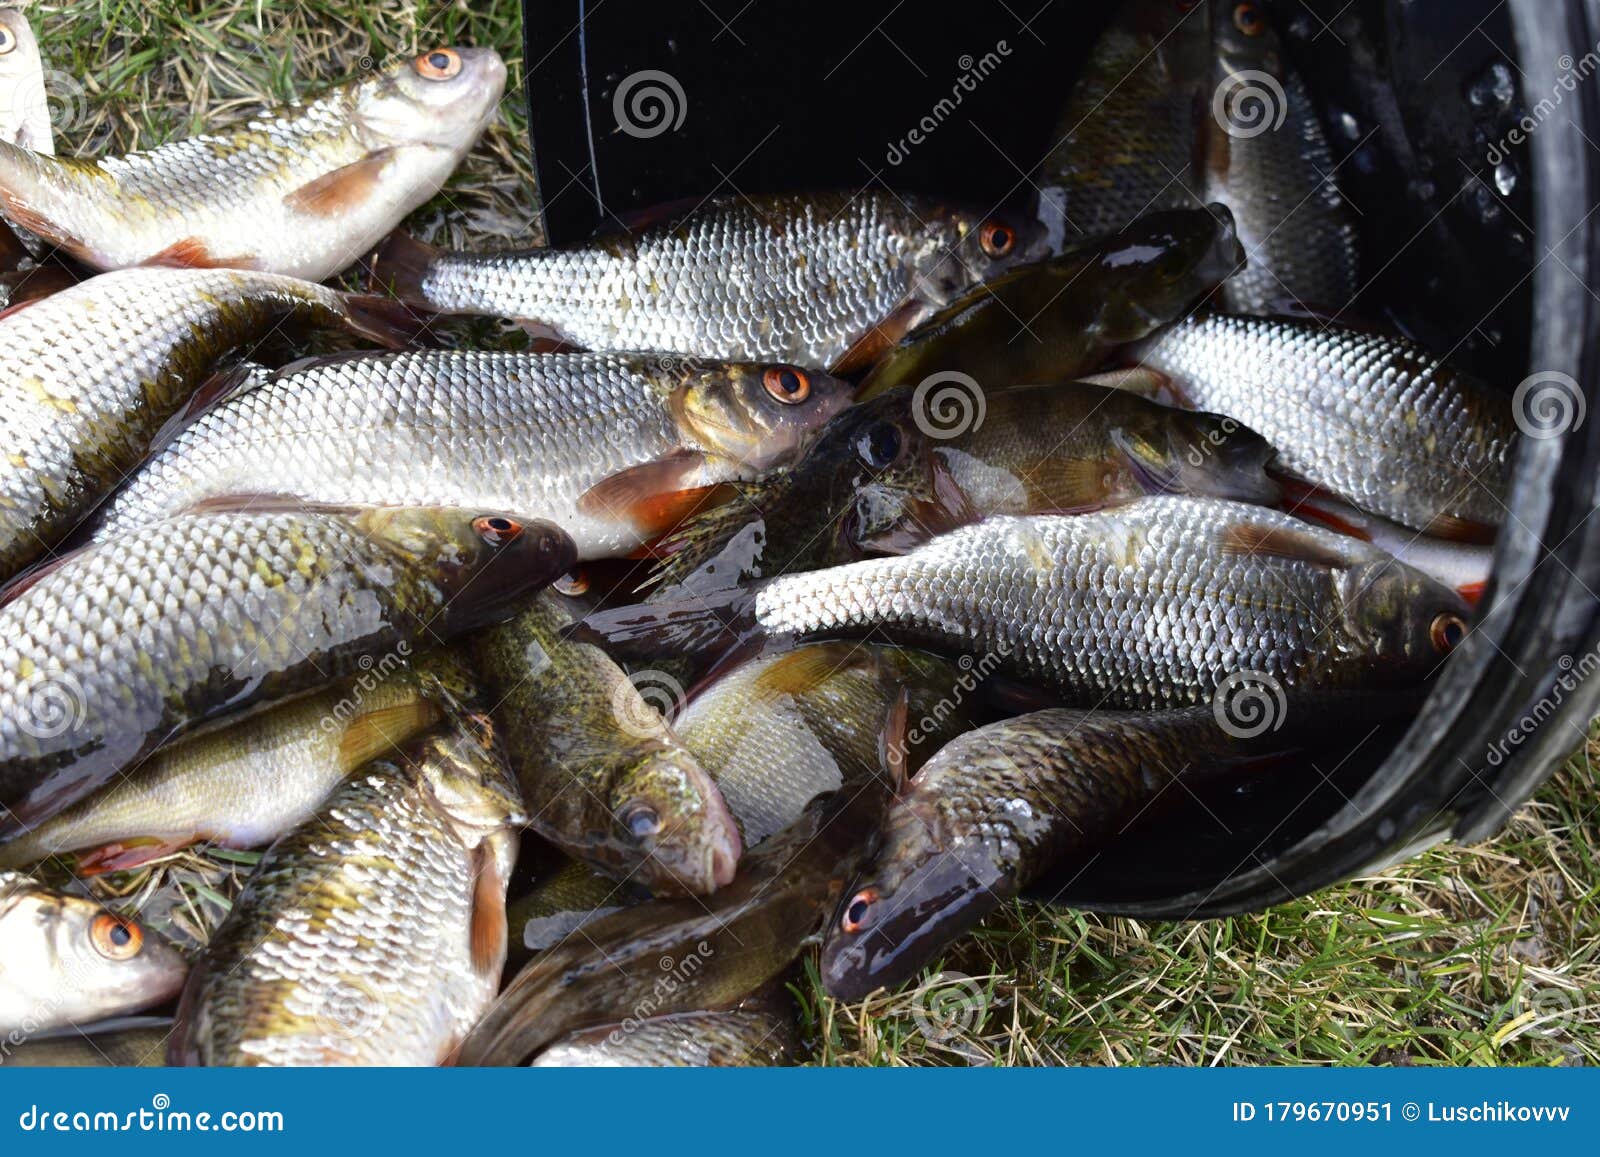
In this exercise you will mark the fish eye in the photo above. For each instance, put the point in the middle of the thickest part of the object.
(573, 583)
(858, 913)
(641, 821)
(997, 238)
(879, 446)
(8, 40)
(115, 938)
(1447, 631)
(496, 529)
(440, 64)
(1247, 18)
(789, 385)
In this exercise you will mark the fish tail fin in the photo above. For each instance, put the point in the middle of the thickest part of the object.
(699, 626)
(383, 320)
(402, 264)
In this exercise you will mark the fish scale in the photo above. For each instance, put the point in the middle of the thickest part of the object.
(1141, 606)
(1376, 419)
(504, 431)
(797, 278)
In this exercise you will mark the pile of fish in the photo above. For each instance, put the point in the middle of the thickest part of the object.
(832, 567)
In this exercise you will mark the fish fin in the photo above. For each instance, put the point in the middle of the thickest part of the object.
(191, 253)
(1472, 592)
(125, 855)
(488, 934)
(880, 339)
(402, 264)
(379, 732)
(797, 673)
(225, 383)
(1448, 526)
(1322, 517)
(383, 320)
(1278, 542)
(20, 582)
(262, 502)
(894, 743)
(342, 190)
(547, 339)
(656, 496)
(708, 624)
(1076, 485)
(36, 221)
(1144, 381)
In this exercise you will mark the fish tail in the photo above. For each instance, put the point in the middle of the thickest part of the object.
(402, 264)
(383, 320)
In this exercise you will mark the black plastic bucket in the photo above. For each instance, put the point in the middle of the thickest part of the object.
(1471, 140)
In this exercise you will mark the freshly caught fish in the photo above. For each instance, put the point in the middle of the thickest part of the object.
(604, 777)
(1182, 104)
(303, 190)
(614, 448)
(891, 473)
(1373, 418)
(239, 783)
(24, 103)
(735, 1038)
(779, 731)
(374, 933)
(89, 375)
(1462, 566)
(126, 645)
(822, 280)
(675, 956)
(129, 1042)
(1059, 319)
(67, 960)
(1146, 605)
(997, 807)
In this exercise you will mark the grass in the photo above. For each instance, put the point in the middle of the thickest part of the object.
(1464, 955)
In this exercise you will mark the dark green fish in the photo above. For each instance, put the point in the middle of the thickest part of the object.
(737, 1038)
(129, 1042)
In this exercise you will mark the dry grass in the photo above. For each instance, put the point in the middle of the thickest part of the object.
(1464, 955)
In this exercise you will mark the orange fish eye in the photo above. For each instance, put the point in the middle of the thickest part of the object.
(789, 385)
(1447, 631)
(1247, 18)
(858, 913)
(440, 64)
(997, 238)
(496, 529)
(115, 938)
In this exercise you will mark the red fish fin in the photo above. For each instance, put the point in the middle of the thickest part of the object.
(1461, 530)
(488, 912)
(401, 265)
(1278, 542)
(383, 320)
(343, 190)
(1472, 592)
(38, 221)
(1314, 513)
(125, 855)
(895, 741)
(379, 732)
(191, 253)
(654, 496)
(880, 339)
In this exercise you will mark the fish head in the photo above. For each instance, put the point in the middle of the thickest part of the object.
(1200, 454)
(670, 818)
(918, 896)
(1154, 270)
(961, 249)
(442, 98)
(1244, 39)
(68, 960)
(1405, 623)
(763, 415)
(480, 561)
